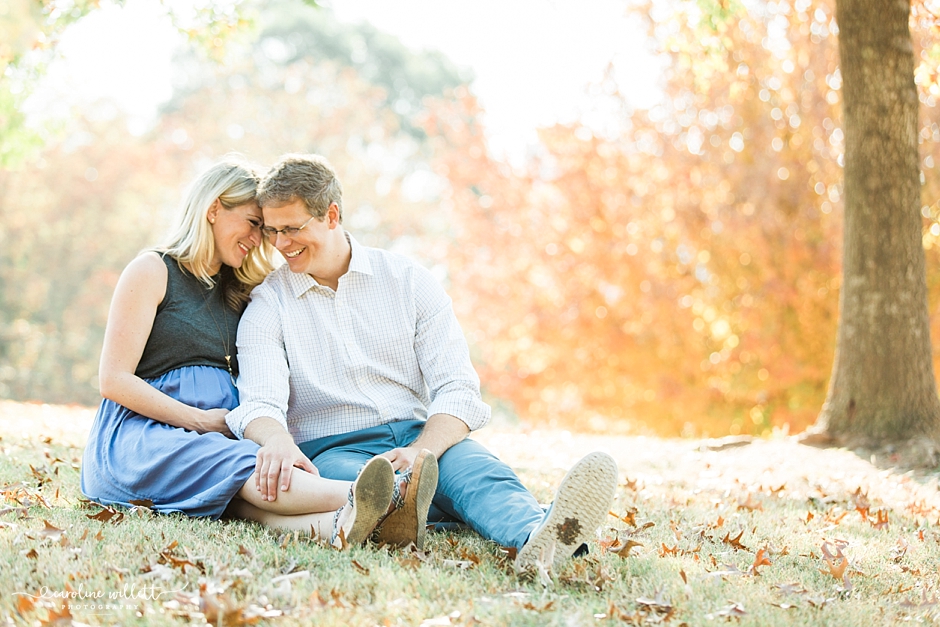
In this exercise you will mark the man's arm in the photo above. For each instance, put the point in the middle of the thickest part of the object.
(277, 456)
(456, 407)
(263, 388)
(440, 433)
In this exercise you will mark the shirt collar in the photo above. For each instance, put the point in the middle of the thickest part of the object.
(359, 262)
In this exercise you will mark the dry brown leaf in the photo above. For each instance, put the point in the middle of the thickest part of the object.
(925, 604)
(665, 550)
(734, 542)
(58, 618)
(785, 606)
(761, 559)
(629, 517)
(835, 516)
(107, 514)
(881, 519)
(656, 604)
(31, 554)
(734, 610)
(24, 603)
(50, 531)
(751, 503)
(836, 563)
(790, 588)
(623, 549)
(243, 550)
(675, 530)
(861, 503)
(899, 550)
(359, 567)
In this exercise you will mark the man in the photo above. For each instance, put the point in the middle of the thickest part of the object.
(355, 352)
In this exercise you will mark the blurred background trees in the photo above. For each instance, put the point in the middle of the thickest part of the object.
(675, 269)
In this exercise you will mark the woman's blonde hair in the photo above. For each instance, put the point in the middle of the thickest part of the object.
(233, 181)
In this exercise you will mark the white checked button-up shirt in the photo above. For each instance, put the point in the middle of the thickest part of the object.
(385, 346)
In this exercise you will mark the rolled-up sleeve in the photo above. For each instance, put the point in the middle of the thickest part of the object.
(444, 357)
(263, 380)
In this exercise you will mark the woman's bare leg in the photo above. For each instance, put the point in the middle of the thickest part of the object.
(362, 507)
(308, 494)
(318, 525)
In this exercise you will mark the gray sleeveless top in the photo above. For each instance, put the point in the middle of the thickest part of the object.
(192, 326)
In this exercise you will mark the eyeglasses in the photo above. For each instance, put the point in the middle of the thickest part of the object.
(288, 231)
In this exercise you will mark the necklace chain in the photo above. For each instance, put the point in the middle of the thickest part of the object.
(225, 341)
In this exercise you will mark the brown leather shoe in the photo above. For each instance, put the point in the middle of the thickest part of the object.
(408, 523)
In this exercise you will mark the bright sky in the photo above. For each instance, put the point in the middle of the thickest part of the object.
(533, 59)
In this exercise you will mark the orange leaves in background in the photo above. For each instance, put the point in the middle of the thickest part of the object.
(677, 270)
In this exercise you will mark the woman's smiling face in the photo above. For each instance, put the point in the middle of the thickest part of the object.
(235, 231)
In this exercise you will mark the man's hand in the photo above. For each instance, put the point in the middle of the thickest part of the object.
(402, 458)
(275, 463)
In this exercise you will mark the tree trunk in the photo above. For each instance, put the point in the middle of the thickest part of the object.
(882, 386)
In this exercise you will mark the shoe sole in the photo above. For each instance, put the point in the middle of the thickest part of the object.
(371, 495)
(409, 524)
(581, 505)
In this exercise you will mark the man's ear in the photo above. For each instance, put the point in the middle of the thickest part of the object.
(213, 210)
(332, 215)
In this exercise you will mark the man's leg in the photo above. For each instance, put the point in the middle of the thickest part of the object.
(342, 456)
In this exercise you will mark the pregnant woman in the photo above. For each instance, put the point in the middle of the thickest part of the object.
(167, 375)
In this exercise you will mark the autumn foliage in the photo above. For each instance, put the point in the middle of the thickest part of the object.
(679, 270)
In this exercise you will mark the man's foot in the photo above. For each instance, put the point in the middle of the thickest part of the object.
(368, 501)
(580, 507)
(409, 520)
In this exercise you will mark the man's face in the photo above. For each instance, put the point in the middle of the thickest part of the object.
(306, 250)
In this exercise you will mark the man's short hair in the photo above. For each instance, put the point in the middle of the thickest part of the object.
(308, 178)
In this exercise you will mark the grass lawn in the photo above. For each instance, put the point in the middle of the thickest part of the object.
(768, 533)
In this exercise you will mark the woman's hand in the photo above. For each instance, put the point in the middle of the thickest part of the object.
(212, 420)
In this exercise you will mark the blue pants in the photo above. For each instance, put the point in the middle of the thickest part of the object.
(473, 485)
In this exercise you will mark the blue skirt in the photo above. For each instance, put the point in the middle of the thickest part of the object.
(132, 457)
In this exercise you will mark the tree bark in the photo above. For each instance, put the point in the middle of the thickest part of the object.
(882, 386)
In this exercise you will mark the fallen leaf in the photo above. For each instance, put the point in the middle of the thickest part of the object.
(629, 517)
(861, 503)
(836, 563)
(819, 602)
(785, 606)
(899, 550)
(24, 603)
(243, 550)
(675, 530)
(751, 503)
(734, 542)
(790, 588)
(761, 559)
(623, 550)
(656, 604)
(881, 519)
(735, 610)
(359, 567)
(50, 531)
